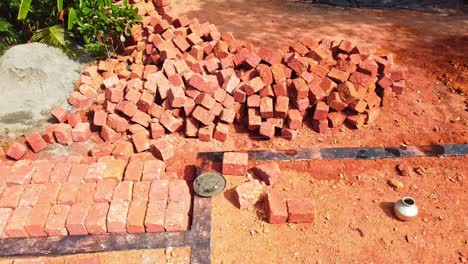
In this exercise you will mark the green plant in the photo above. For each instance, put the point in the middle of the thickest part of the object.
(9, 36)
(102, 21)
(96, 49)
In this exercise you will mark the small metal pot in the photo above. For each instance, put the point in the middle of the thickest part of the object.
(406, 209)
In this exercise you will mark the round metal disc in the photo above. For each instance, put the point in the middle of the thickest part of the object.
(209, 184)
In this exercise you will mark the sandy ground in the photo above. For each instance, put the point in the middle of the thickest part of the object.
(354, 222)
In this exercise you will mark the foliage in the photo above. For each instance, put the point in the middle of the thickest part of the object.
(96, 49)
(9, 36)
(100, 25)
(54, 36)
(104, 21)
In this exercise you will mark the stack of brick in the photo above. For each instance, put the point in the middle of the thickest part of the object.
(180, 75)
(184, 75)
(40, 198)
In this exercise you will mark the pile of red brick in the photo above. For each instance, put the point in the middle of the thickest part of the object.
(278, 210)
(43, 198)
(179, 75)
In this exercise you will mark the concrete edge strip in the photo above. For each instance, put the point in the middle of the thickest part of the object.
(444, 150)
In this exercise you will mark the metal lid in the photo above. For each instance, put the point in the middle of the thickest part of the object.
(209, 184)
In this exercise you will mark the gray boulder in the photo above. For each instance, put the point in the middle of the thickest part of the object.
(34, 78)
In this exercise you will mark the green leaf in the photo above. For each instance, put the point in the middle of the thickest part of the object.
(55, 36)
(71, 18)
(59, 5)
(24, 9)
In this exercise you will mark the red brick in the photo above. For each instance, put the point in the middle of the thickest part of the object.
(123, 191)
(170, 122)
(5, 214)
(127, 108)
(99, 118)
(117, 216)
(254, 119)
(265, 74)
(114, 95)
(86, 193)
(229, 101)
(11, 196)
(221, 132)
(191, 127)
(336, 119)
(132, 95)
(219, 95)
(294, 119)
(31, 194)
(115, 170)
(275, 208)
(60, 173)
(134, 171)
(320, 126)
(153, 170)
(162, 149)
(67, 195)
(73, 119)
(289, 134)
(49, 194)
(140, 141)
(240, 95)
(177, 97)
(136, 216)
(36, 142)
(141, 191)
(176, 217)
(15, 226)
(60, 114)
(205, 133)
(266, 107)
(141, 118)
(338, 75)
(96, 219)
(81, 133)
(155, 215)
(358, 106)
(111, 81)
(203, 115)
(249, 193)
(124, 149)
(335, 102)
(268, 172)
(16, 150)
(277, 71)
(78, 100)
(117, 122)
(254, 86)
(63, 134)
(95, 172)
(253, 101)
(55, 225)
(227, 115)
(205, 100)
(37, 219)
(235, 163)
(362, 79)
(159, 191)
(20, 173)
(104, 191)
(178, 191)
(48, 134)
(321, 111)
(76, 220)
(300, 211)
(267, 130)
(252, 60)
(42, 170)
(230, 83)
(356, 121)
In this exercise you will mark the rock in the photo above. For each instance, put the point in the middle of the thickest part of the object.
(404, 169)
(395, 184)
(35, 78)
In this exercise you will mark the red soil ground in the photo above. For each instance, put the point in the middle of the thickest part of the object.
(354, 222)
